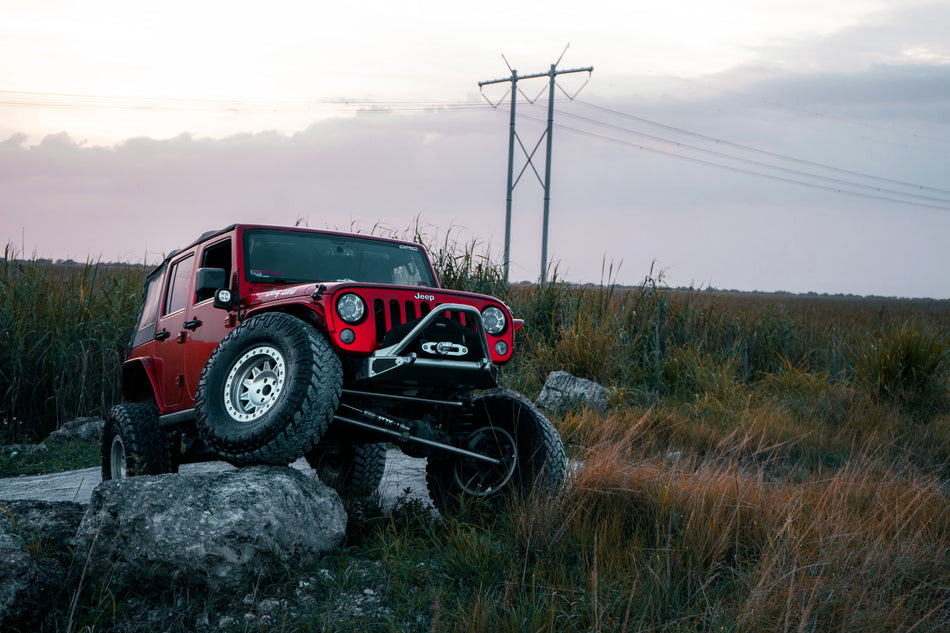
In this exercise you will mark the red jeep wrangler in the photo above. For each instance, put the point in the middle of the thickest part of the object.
(262, 345)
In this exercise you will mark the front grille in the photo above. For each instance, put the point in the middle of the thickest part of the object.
(388, 315)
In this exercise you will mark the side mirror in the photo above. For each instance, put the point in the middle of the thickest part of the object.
(212, 282)
(207, 280)
(224, 299)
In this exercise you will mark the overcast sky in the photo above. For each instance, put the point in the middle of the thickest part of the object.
(796, 145)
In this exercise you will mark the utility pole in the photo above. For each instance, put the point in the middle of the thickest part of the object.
(513, 136)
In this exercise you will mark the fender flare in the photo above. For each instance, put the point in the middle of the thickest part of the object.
(140, 381)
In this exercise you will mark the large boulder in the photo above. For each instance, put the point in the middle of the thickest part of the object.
(564, 392)
(209, 530)
(34, 541)
(28, 584)
(87, 429)
(49, 526)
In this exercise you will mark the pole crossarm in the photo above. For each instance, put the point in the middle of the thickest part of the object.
(513, 136)
(516, 77)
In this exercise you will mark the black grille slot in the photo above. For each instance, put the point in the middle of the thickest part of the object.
(395, 315)
(410, 311)
(379, 315)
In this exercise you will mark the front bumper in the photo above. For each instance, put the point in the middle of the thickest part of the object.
(431, 364)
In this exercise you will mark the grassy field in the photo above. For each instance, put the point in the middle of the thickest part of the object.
(768, 463)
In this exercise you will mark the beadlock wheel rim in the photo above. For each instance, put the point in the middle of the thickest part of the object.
(254, 383)
(477, 478)
(117, 465)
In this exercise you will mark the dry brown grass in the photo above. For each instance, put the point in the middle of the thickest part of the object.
(723, 540)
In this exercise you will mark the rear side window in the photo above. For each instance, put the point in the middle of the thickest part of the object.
(151, 298)
(179, 282)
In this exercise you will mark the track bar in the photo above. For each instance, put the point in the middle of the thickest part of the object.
(418, 440)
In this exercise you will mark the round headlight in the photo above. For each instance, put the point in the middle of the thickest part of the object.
(351, 308)
(494, 320)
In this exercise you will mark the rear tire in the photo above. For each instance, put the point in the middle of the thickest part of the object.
(269, 391)
(133, 443)
(353, 470)
(506, 426)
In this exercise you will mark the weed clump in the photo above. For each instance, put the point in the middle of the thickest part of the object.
(906, 365)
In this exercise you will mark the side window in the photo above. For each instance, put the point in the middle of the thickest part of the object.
(151, 298)
(217, 256)
(179, 280)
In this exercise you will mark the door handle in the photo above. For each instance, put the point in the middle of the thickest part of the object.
(161, 336)
(192, 325)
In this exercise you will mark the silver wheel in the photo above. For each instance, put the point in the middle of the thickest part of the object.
(474, 477)
(254, 383)
(117, 463)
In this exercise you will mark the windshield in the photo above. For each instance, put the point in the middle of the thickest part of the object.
(295, 257)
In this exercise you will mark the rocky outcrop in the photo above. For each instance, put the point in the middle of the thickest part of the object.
(215, 530)
(563, 392)
(35, 537)
(211, 530)
(29, 582)
(87, 429)
(49, 526)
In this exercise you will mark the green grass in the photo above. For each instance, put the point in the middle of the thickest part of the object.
(33, 459)
(64, 332)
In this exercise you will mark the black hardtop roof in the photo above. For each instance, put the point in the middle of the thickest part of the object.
(208, 235)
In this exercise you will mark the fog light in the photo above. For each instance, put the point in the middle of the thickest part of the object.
(347, 336)
(501, 348)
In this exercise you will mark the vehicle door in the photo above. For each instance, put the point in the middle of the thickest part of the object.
(207, 325)
(171, 334)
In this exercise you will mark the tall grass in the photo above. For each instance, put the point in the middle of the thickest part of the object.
(906, 365)
(64, 331)
(651, 341)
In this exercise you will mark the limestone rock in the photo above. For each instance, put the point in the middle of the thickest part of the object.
(564, 392)
(50, 525)
(27, 585)
(89, 429)
(213, 530)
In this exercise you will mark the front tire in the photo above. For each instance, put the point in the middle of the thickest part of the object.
(269, 391)
(504, 425)
(133, 443)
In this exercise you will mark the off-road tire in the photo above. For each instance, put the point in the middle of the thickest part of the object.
(501, 423)
(353, 470)
(269, 391)
(133, 443)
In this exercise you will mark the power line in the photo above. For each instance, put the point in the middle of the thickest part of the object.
(793, 172)
(823, 115)
(748, 148)
(744, 171)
